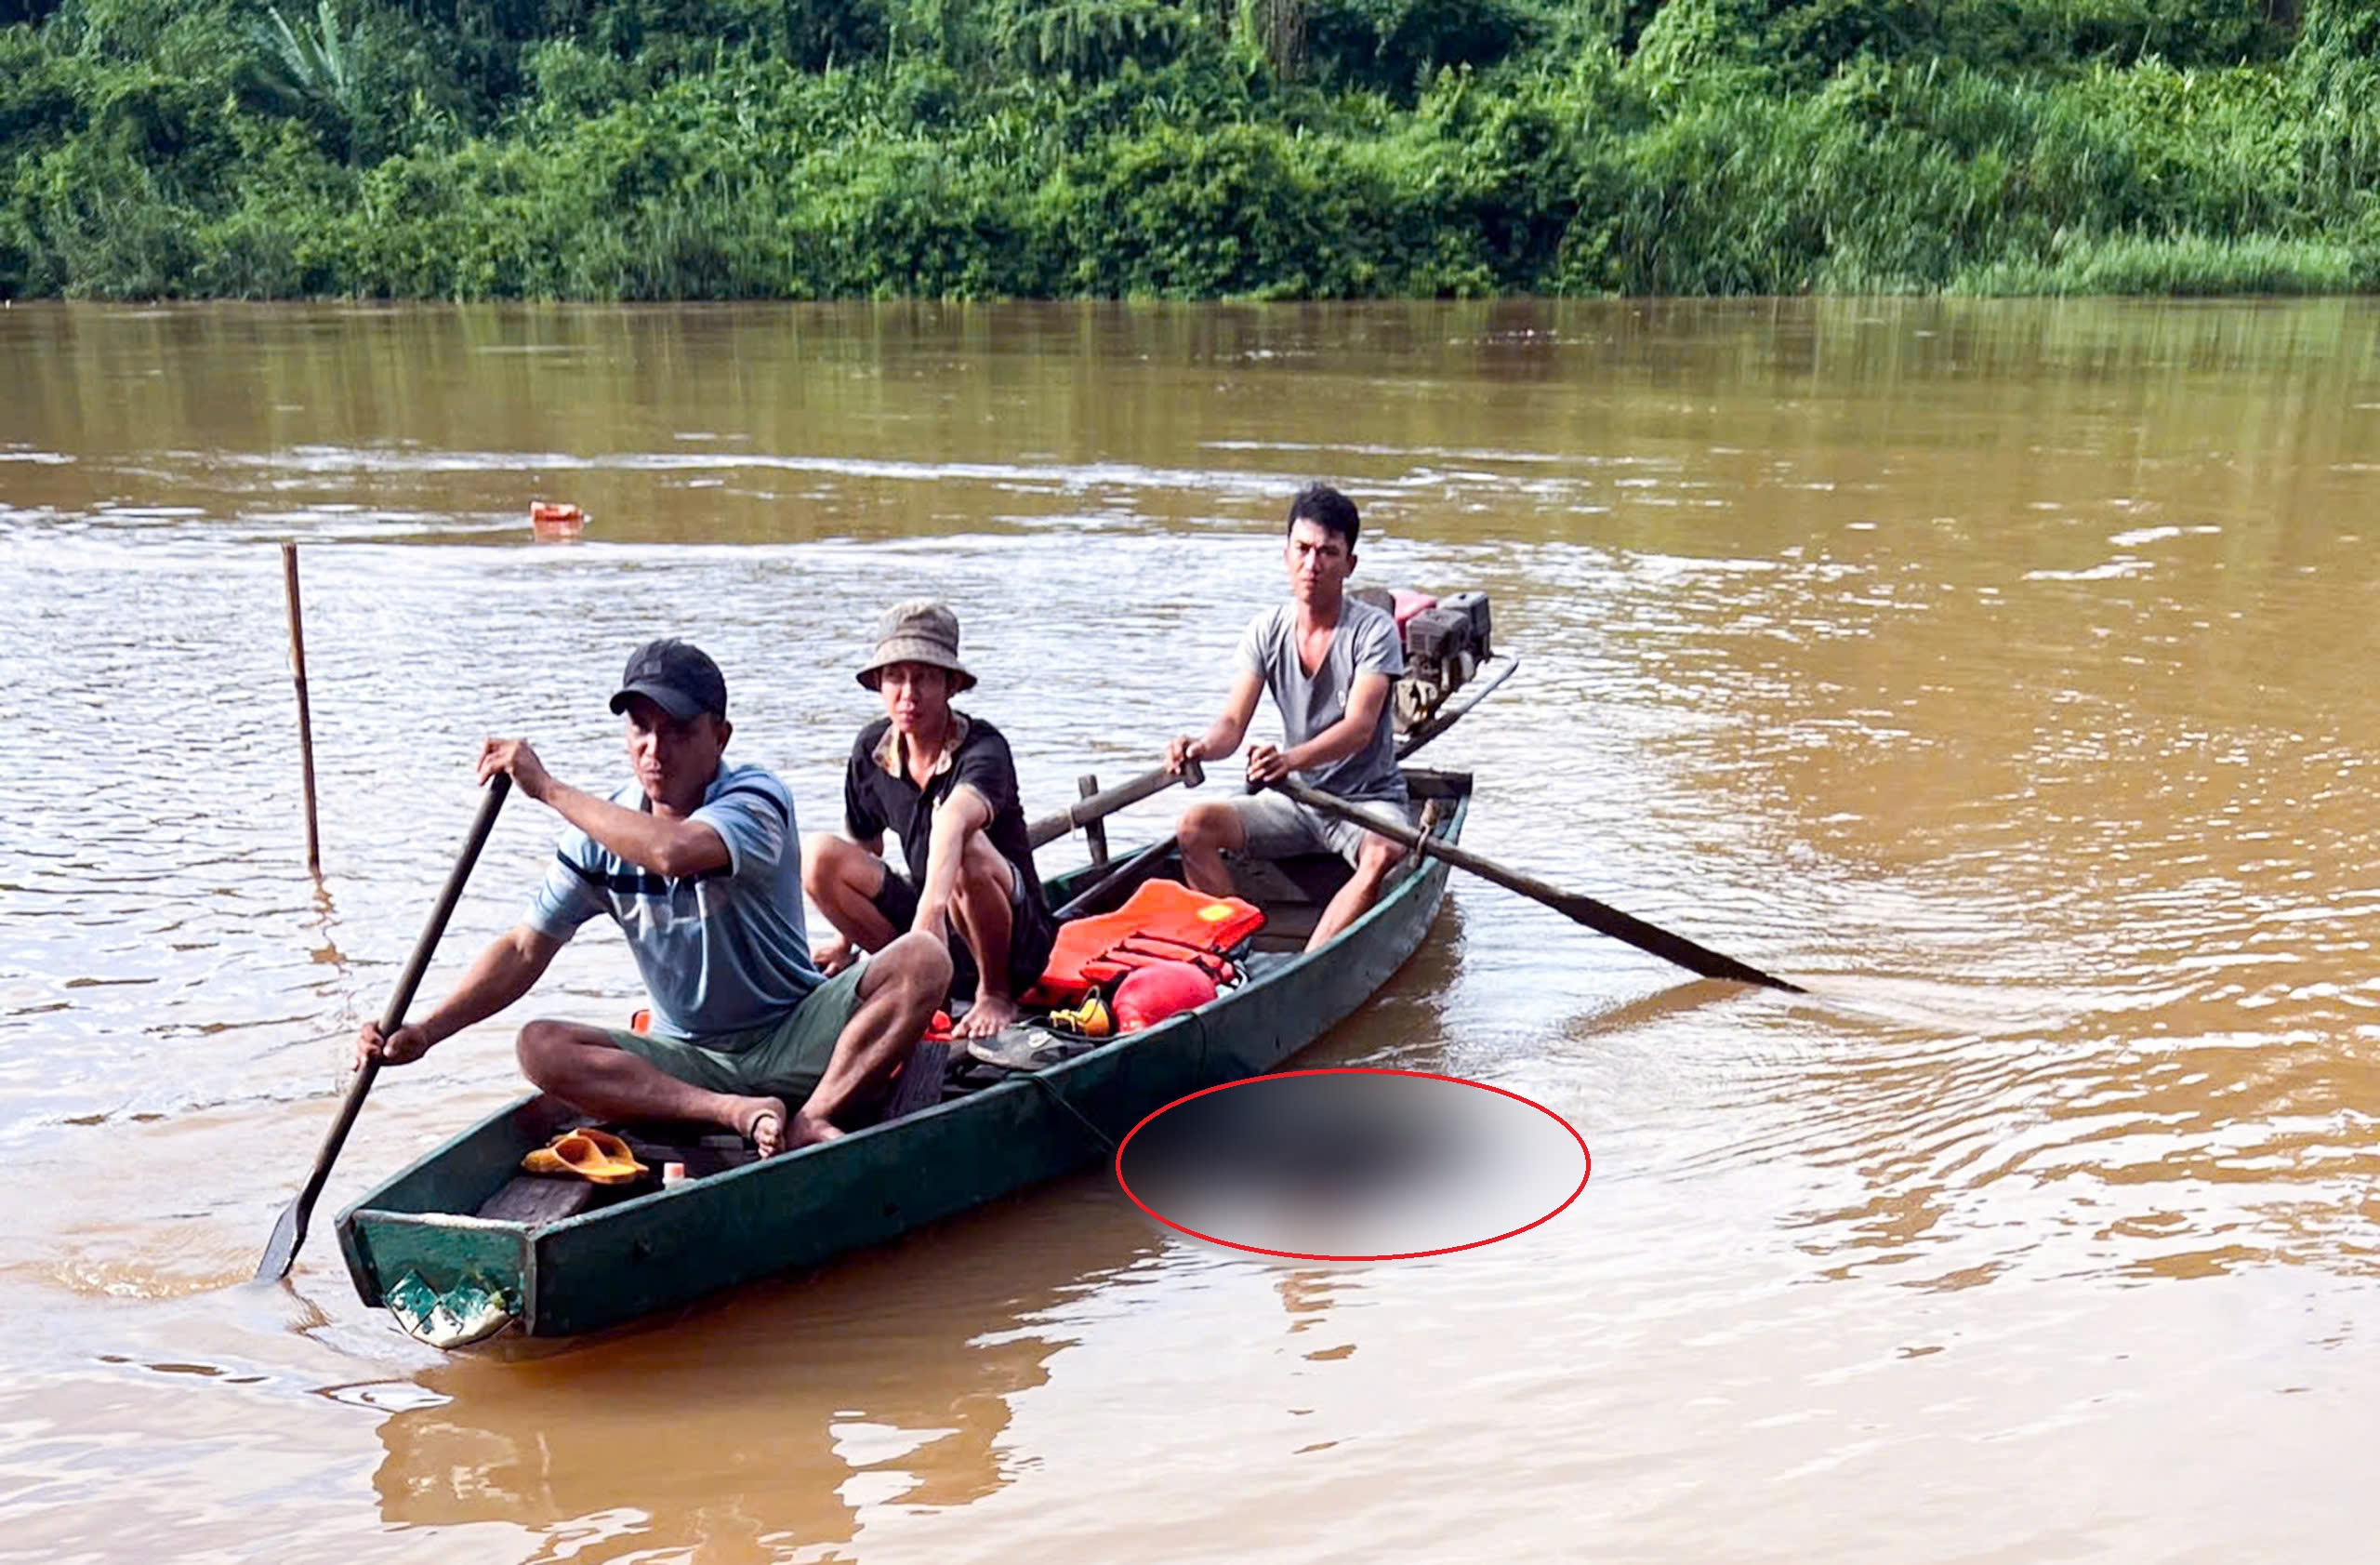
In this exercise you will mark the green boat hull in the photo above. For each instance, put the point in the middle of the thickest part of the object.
(412, 1235)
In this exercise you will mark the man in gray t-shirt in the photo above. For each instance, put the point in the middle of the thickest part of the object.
(1329, 662)
(699, 863)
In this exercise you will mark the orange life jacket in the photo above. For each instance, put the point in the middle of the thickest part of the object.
(1165, 921)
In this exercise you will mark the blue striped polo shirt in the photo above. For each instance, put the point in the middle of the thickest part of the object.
(721, 952)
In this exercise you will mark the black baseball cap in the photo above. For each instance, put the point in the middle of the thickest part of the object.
(677, 676)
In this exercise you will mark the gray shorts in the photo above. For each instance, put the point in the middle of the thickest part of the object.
(1278, 827)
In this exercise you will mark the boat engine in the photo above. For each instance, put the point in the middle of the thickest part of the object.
(1446, 640)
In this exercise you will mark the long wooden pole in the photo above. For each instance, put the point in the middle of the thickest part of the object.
(305, 713)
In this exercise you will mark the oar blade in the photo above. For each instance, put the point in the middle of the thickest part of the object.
(281, 1249)
(1656, 941)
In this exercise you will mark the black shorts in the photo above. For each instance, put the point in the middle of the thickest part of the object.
(1031, 933)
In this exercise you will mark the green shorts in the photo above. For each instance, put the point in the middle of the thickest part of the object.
(781, 1060)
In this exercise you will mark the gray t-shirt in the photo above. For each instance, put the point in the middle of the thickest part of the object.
(1365, 642)
(721, 952)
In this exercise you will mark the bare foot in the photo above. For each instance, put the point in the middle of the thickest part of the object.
(762, 1123)
(809, 1129)
(987, 1016)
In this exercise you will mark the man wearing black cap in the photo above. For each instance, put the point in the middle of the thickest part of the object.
(700, 864)
(946, 783)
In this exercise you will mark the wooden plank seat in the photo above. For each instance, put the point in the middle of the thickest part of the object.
(536, 1199)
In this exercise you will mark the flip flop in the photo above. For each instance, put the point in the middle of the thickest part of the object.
(598, 1156)
(1025, 1047)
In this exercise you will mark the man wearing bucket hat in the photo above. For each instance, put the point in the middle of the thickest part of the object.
(946, 783)
(699, 862)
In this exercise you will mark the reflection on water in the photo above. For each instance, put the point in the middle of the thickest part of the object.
(1995, 670)
(773, 1421)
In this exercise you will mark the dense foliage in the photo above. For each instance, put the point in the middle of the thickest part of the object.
(674, 149)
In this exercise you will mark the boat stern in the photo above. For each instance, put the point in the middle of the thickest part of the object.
(448, 1277)
(447, 1280)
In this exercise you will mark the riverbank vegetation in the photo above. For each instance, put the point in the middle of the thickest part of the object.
(702, 149)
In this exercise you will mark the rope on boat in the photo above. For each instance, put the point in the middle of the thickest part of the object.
(1059, 1098)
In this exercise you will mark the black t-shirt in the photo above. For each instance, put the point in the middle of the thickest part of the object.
(875, 801)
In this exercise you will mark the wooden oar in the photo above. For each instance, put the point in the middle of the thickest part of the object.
(1107, 800)
(1598, 916)
(290, 1232)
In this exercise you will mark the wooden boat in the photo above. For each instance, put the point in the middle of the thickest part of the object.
(456, 1258)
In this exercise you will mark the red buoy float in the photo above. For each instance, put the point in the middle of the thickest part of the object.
(1149, 995)
(549, 520)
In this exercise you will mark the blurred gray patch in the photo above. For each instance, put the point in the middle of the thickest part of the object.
(1350, 1163)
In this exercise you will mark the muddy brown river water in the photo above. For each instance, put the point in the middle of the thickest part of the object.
(2001, 671)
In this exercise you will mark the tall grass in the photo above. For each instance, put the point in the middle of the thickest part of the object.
(2182, 265)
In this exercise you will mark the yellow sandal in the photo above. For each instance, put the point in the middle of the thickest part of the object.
(598, 1156)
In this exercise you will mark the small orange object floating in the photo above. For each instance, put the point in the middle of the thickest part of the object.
(549, 520)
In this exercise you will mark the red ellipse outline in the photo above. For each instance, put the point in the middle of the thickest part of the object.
(1584, 1173)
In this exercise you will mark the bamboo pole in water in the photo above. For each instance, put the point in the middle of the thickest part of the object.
(305, 716)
